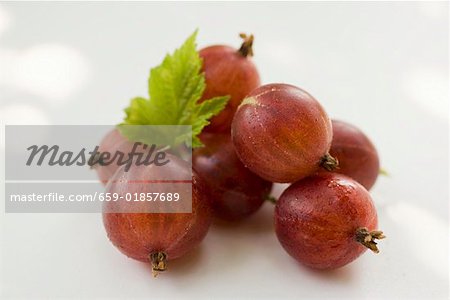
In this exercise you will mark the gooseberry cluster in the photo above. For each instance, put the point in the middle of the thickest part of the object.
(273, 133)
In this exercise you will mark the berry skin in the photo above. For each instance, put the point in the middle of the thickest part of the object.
(228, 71)
(281, 133)
(234, 191)
(112, 143)
(326, 221)
(356, 154)
(160, 237)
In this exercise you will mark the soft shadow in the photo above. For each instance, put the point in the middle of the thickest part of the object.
(342, 275)
(260, 222)
(188, 263)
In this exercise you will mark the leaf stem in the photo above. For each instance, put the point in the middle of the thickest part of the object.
(383, 172)
(271, 199)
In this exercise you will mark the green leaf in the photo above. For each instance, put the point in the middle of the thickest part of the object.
(175, 87)
(202, 113)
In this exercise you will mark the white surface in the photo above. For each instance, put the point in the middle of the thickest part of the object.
(381, 66)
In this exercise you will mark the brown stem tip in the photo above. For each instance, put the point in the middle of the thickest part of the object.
(159, 262)
(329, 163)
(247, 45)
(367, 238)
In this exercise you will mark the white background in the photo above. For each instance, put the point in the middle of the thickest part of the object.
(381, 66)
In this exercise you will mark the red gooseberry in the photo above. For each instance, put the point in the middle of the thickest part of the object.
(158, 236)
(228, 71)
(281, 133)
(356, 154)
(234, 191)
(326, 221)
